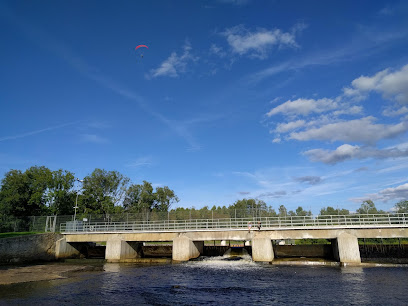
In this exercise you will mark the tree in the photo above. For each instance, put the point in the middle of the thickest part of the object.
(249, 207)
(139, 198)
(102, 191)
(301, 212)
(60, 197)
(283, 212)
(331, 211)
(23, 194)
(165, 197)
(142, 198)
(401, 206)
(367, 207)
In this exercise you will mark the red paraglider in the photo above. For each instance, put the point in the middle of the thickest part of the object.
(140, 46)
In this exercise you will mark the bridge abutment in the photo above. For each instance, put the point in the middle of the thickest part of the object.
(185, 249)
(346, 250)
(64, 249)
(117, 250)
(262, 250)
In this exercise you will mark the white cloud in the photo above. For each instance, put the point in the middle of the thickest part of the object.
(258, 43)
(358, 130)
(304, 107)
(290, 126)
(216, 50)
(392, 85)
(389, 194)
(392, 112)
(348, 152)
(352, 110)
(174, 64)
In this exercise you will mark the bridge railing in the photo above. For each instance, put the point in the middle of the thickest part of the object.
(358, 220)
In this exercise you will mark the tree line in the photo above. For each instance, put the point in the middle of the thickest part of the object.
(39, 191)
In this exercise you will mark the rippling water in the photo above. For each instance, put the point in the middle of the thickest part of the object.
(216, 281)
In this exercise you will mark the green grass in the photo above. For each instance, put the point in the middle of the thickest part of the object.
(16, 234)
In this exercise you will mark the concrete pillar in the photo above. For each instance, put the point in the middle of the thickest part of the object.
(184, 248)
(117, 250)
(262, 250)
(346, 250)
(63, 249)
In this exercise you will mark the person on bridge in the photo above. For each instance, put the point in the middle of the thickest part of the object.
(249, 226)
(259, 226)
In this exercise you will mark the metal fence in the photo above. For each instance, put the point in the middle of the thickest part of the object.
(340, 221)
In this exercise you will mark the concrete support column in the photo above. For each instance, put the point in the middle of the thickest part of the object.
(117, 250)
(63, 249)
(184, 248)
(262, 250)
(346, 250)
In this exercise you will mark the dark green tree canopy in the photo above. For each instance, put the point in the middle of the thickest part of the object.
(142, 198)
(102, 191)
(333, 211)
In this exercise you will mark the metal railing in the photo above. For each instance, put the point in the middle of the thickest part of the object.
(295, 222)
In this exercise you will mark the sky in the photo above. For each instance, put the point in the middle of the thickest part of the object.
(295, 103)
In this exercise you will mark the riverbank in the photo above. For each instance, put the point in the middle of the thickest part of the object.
(43, 272)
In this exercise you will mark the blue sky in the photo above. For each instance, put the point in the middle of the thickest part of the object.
(291, 102)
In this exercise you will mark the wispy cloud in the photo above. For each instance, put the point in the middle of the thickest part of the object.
(93, 138)
(389, 194)
(257, 43)
(31, 133)
(140, 162)
(174, 65)
(312, 180)
(362, 45)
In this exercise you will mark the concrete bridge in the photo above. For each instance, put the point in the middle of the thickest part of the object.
(124, 240)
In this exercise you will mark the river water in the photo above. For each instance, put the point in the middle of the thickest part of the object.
(217, 281)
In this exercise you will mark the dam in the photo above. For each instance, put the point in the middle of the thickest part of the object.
(124, 240)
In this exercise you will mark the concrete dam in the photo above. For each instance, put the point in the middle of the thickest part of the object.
(125, 240)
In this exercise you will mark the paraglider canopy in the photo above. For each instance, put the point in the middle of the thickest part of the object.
(140, 46)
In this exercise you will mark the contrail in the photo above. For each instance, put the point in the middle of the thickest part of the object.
(37, 131)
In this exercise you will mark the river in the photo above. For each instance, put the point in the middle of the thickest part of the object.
(216, 281)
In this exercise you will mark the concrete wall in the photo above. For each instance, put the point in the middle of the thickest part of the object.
(185, 249)
(30, 248)
(241, 235)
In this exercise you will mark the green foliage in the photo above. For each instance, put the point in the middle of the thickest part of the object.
(102, 191)
(368, 207)
(283, 212)
(332, 211)
(22, 194)
(142, 198)
(251, 207)
(60, 195)
(401, 207)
